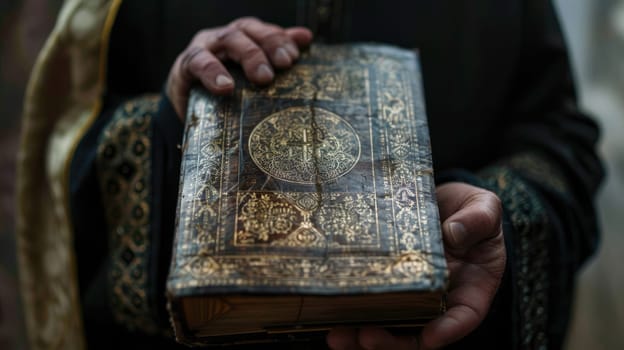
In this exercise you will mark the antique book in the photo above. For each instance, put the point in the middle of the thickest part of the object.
(308, 203)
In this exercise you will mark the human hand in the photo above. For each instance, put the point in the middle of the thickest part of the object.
(257, 46)
(475, 253)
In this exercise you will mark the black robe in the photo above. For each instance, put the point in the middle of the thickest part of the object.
(502, 114)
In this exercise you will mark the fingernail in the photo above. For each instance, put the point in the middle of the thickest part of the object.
(282, 57)
(458, 233)
(264, 73)
(223, 80)
(292, 50)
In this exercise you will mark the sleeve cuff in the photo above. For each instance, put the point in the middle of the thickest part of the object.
(168, 122)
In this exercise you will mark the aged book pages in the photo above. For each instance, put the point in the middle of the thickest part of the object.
(308, 203)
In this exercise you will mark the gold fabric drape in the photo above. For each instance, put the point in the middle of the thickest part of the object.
(62, 100)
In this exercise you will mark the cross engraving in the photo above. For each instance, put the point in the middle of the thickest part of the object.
(292, 146)
(304, 143)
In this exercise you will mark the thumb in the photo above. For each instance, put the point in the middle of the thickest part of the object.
(470, 215)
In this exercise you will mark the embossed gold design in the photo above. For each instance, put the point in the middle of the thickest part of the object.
(324, 83)
(373, 224)
(305, 271)
(123, 163)
(305, 220)
(304, 145)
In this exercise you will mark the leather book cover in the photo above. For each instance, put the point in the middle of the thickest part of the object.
(319, 185)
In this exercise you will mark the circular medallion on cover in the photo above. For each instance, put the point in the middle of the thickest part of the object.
(306, 145)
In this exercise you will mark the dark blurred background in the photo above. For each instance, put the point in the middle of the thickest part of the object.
(595, 32)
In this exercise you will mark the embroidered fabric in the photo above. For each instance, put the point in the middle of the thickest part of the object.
(124, 167)
(530, 243)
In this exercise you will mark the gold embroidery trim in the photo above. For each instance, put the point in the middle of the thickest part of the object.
(65, 182)
(530, 243)
(124, 161)
(539, 169)
(97, 106)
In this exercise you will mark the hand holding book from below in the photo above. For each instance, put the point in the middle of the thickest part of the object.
(475, 252)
